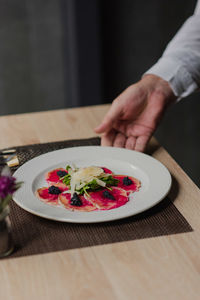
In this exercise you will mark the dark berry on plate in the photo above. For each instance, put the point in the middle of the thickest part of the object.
(108, 195)
(127, 181)
(61, 173)
(54, 190)
(75, 200)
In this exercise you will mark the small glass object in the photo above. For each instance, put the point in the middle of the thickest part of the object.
(6, 242)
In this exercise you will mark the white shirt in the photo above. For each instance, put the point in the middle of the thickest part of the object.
(180, 62)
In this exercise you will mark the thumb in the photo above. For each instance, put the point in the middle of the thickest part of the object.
(112, 115)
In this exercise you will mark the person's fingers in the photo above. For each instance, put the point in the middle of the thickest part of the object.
(141, 143)
(130, 143)
(119, 140)
(112, 115)
(108, 138)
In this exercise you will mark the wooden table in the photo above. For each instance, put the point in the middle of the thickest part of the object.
(164, 267)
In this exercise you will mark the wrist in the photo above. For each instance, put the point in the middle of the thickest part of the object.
(158, 86)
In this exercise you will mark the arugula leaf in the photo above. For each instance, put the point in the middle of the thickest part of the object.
(109, 180)
(68, 167)
(94, 186)
(91, 186)
(66, 179)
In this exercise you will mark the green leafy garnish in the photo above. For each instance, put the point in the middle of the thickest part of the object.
(66, 179)
(92, 185)
(68, 167)
(109, 180)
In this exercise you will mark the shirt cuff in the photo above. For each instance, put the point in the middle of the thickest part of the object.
(179, 79)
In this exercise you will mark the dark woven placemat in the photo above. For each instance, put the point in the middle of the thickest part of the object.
(33, 235)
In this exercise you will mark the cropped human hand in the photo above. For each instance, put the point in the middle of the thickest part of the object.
(135, 114)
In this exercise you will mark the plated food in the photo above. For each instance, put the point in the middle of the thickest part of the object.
(87, 188)
(154, 176)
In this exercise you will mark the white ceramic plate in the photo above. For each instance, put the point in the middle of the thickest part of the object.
(155, 181)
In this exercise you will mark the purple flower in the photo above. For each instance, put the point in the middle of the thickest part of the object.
(7, 186)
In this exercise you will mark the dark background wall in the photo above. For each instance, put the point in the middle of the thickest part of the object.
(135, 33)
(65, 53)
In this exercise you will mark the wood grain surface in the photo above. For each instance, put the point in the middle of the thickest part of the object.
(157, 268)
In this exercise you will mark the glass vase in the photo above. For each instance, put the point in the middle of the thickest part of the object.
(6, 242)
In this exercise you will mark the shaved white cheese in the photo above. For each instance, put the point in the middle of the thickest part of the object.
(72, 185)
(86, 174)
(78, 187)
(82, 176)
(105, 175)
(100, 182)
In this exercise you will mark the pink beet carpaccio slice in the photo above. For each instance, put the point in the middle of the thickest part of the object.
(106, 170)
(102, 202)
(44, 195)
(53, 178)
(128, 183)
(86, 205)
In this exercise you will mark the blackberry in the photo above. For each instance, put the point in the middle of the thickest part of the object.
(54, 190)
(75, 200)
(61, 173)
(127, 181)
(108, 195)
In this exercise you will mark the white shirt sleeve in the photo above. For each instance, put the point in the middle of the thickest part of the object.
(180, 62)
